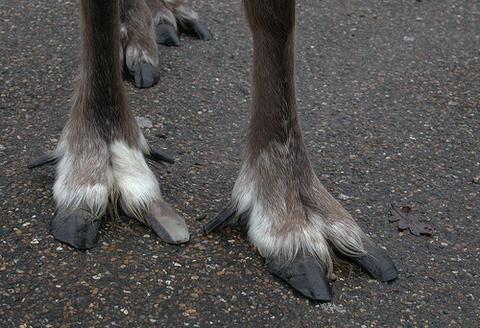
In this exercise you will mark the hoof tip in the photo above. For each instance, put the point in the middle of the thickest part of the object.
(304, 275)
(79, 229)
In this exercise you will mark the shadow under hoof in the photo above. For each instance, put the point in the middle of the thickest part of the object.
(305, 275)
(78, 229)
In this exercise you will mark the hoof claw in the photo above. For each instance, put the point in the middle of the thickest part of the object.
(47, 159)
(305, 275)
(377, 263)
(146, 75)
(79, 229)
(197, 28)
(167, 224)
(226, 215)
(166, 35)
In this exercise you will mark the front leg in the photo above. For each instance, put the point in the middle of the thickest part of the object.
(291, 218)
(101, 154)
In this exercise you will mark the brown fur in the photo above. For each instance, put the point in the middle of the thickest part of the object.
(276, 151)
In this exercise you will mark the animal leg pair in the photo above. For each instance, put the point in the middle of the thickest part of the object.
(144, 23)
(295, 224)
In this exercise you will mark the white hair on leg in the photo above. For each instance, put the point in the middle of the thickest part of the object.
(135, 55)
(242, 193)
(136, 184)
(306, 238)
(347, 237)
(82, 180)
(271, 227)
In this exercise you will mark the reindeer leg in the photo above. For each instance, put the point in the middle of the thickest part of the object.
(101, 150)
(166, 28)
(293, 221)
(138, 43)
(188, 20)
(173, 16)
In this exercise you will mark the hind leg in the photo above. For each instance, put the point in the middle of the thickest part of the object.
(144, 23)
(139, 49)
(174, 16)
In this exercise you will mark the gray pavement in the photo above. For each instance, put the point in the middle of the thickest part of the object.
(389, 100)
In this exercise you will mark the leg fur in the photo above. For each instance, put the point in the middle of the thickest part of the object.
(138, 42)
(292, 220)
(102, 149)
(175, 15)
(291, 211)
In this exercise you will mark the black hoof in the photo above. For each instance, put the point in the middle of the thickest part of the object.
(79, 229)
(166, 35)
(146, 75)
(159, 157)
(47, 159)
(305, 275)
(377, 263)
(197, 28)
(226, 215)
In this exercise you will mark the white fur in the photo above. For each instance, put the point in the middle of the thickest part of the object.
(310, 236)
(71, 191)
(165, 17)
(134, 55)
(134, 181)
(185, 13)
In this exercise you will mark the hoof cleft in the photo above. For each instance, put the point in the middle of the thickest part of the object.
(146, 75)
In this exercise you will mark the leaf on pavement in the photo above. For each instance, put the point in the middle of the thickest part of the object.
(405, 220)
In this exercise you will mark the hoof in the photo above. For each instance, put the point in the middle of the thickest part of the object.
(305, 275)
(226, 215)
(377, 263)
(167, 224)
(197, 28)
(159, 156)
(146, 75)
(166, 35)
(47, 159)
(79, 229)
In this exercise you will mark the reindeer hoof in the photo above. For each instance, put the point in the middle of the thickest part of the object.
(377, 263)
(197, 28)
(47, 159)
(305, 275)
(226, 215)
(79, 229)
(167, 224)
(166, 35)
(146, 75)
(159, 156)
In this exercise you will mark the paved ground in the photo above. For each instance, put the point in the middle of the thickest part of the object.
(389, 100)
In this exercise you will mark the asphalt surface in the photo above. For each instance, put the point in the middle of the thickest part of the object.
(388, 93)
